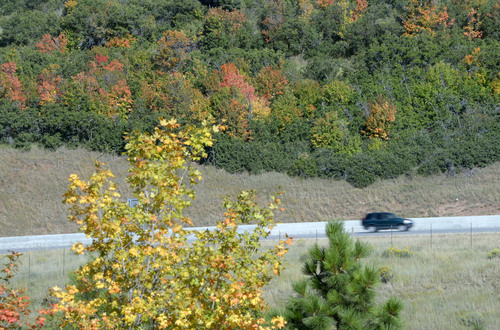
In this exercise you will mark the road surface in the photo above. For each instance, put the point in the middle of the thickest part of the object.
(422, 226)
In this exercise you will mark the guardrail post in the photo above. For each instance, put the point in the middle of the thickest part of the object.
(431, 236)
(64, 259)
(471, 235)
(391, 235)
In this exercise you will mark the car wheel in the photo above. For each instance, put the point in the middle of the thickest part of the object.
(402, 228)
(372, 229)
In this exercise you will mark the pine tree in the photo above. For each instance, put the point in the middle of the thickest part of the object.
(338, 292)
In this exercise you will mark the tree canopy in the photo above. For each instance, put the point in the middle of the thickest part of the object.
(407, 85)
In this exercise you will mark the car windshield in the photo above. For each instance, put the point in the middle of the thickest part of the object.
(390, 216)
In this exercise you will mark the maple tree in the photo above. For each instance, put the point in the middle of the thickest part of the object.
(359, 10)
(424, 17)
(125, 42)
(14, 304)
(10, 86)
(270, 81)
(49, 85)
(224, 23)
(49, 44)
(104, 86)
(382, 114)
(222, 29)
(173, 48)
(145, 270)
(472, 29)
(236, 102)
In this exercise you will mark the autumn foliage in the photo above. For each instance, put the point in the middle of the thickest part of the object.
(236, 101)
(424, 17)
(382, 114)
(271, 82)
(472, 29)
(173, 48)
(10, 86)
(14, 304)
(283, 79)
(49, 44)
(147, 269)
(49, 85)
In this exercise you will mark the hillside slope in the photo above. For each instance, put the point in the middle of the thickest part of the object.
(354, 89)
(32, 184)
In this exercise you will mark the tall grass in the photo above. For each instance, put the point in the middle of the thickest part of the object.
(41, 270)
(452, 285)
(32, 184)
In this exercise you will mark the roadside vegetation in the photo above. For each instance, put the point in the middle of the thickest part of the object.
(451, 286)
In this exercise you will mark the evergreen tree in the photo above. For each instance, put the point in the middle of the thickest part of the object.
(338, 292)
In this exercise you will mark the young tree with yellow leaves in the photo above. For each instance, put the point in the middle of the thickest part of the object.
(144, 271)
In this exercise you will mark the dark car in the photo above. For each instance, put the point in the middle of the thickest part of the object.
(385, 220)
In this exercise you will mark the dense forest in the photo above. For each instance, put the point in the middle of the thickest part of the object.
(355, 90)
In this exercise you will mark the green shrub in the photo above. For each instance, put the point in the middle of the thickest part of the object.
(51, 142)
(228, 153)
(361, 170)
(395, 252)
(436, 162)
(472, 319)
(330, 165)
(390, 166)
(303, 167)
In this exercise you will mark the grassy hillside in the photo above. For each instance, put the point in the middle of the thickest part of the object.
(32, 184)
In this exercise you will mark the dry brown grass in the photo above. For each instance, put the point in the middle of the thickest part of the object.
(32, 184)
(441, 288)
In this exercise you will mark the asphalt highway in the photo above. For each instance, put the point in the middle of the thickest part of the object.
(395, 232)
(307, 230)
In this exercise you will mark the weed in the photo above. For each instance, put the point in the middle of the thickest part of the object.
(395, 252)
(472, 319)
(385, 274)
(495, 253)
